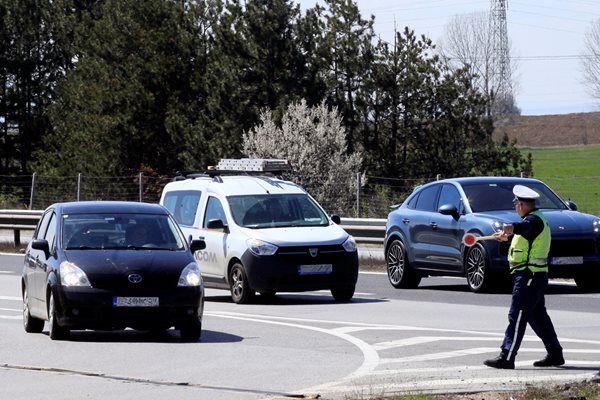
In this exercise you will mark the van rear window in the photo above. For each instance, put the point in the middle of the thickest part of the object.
(183, 204)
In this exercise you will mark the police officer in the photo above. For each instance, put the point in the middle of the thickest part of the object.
(528, 260)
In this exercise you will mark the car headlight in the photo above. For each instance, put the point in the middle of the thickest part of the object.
(260, 248)
(596, 225)
(72, 275)
(190, 276)
(350, 244)
(496, 226)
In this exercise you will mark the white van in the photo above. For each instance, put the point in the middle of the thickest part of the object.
(262, 234)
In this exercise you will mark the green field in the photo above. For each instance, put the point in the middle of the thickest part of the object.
(572, 171)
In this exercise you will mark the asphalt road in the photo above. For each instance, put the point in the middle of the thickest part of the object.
(432, 339)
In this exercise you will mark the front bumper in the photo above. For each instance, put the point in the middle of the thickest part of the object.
(281, 271)
(89, 308)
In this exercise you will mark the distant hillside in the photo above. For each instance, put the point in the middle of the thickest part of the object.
(553, 130)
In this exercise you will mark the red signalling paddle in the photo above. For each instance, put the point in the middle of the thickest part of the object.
(469, 239)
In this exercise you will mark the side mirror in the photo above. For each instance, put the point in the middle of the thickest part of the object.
(217, 224)
(449, 209)
(41, 244)
(336, 219)
(571, 205)
(197, 244)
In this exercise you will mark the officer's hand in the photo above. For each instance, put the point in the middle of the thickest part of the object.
(500, 236)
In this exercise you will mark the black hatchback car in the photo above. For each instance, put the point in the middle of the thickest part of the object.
(111, 265)
(424, 234)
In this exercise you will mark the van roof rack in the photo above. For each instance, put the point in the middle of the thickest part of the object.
(253, 165)
(239, 166)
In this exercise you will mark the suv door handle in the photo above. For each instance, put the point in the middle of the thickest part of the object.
(433, 225)
(405, 221)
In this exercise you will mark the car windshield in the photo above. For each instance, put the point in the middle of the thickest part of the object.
(276, 211)
(493, 196)
(121, 232)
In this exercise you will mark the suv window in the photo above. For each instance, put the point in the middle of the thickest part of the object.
(427, 197)
(450, 195)
(214, 210)
(183, 205)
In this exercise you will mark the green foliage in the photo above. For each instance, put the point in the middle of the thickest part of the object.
(10, 201)
(115, 86)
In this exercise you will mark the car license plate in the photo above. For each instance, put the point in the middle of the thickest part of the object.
(315, 269)
(135, 301)
(566, 260)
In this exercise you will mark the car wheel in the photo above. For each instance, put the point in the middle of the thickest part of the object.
(400, 274)
(55, 331)
(31, 324)
(588, 280)
(477, 269)
(343, 294)
(191, 332)
(241, 292)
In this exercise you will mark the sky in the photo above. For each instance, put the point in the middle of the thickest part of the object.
(547, 39)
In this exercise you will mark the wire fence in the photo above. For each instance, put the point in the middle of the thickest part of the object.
(373, 198)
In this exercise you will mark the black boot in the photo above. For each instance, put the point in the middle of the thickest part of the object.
(500, 363)
(551, 360)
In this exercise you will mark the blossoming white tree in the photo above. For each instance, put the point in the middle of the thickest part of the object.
(313, 140)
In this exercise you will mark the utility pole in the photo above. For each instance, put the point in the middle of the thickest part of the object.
(501, 74)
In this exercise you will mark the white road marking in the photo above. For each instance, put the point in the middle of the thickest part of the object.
(11, 309)
(11, 316)
(11, 298)
(370, 355)
(469, 352)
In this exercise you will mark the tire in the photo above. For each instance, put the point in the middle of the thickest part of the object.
(343, 294)
(477, 270)
(588, 280)
(399, 272)
(241, 292)
(31, 324)
(55, 331)
(191, 332)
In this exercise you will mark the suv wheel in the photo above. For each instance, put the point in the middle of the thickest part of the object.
(477, 269)
(400, 274)
(241, 293)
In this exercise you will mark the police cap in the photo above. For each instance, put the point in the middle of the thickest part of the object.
(523, 193)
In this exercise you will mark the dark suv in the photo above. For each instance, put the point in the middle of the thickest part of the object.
(424, 234)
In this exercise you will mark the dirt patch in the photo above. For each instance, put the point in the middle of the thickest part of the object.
(552, 130)
(589, 390)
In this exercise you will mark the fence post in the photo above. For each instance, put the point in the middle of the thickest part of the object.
(32, 194)
(141, 186)
(78, 186)
(358, 195)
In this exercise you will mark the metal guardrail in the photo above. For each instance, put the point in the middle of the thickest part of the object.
(364, 230)
(18, 220)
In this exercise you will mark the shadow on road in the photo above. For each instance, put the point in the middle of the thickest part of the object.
(134, 336)
(294, 299)
(553, 288)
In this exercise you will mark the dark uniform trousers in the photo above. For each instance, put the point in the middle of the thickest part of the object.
(528, 306)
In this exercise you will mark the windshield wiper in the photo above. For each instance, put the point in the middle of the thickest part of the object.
(83, 247)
